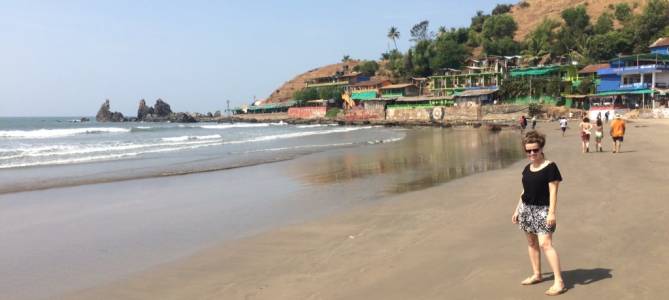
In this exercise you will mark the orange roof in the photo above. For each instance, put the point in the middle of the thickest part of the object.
(593, 68)
(663, 41)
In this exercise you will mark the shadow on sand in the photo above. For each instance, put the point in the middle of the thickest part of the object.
(582, 276)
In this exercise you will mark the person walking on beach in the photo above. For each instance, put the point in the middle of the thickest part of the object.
(563, 124)
(534, 122)
(599, 134)
(523, 123)
(537, 209)
(606, 116)
(617, 133)
(584, 127)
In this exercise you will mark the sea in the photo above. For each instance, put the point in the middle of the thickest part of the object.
(44, 152)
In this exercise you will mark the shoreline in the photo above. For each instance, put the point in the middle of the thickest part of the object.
(105, 232)
(451, 241)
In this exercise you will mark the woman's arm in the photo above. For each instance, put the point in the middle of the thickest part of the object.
(514, 217)
(551, 220)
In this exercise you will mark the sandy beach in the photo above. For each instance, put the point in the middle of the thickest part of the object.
(452, 241)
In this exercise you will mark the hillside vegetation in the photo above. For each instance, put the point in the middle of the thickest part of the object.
(542, 31)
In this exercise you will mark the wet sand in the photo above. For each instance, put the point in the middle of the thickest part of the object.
(453, 241)
(72, 238)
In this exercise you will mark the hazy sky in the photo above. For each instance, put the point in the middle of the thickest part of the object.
(64, 58)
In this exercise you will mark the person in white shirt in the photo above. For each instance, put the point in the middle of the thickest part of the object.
(563, 124)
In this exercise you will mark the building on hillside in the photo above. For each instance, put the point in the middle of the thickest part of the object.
(486, 73)
(544, 84)
(337, 79)
(422, 84)
(661, 46)
(367, 89)
(399, 90)
(635, 81)
(478, 97)
(584, 86)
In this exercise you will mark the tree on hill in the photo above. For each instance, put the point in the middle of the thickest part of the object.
(419, 32)
(622, 12)
(501, 9)
(394, 35)
(448, 53)
(604, 24)
(497, 35)
(367, 67)
(651, 24)
(539, 42)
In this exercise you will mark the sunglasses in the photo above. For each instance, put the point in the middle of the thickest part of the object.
(536, 150)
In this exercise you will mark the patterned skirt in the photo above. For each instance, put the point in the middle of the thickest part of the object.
(532, 219)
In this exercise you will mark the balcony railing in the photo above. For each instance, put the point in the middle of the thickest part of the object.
(633, 69)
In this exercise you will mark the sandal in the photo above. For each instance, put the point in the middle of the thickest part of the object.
(531, 280)
(552, 292)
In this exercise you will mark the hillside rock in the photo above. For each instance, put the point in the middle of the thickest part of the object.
(106, 115)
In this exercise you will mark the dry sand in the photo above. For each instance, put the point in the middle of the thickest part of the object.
(454, 241)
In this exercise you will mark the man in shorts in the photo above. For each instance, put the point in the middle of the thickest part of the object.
(563, 124)
(617, 132)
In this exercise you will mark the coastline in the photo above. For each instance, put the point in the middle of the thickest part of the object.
(451, 241)
(100, 233)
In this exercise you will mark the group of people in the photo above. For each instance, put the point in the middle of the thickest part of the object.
(617, 132)
(523, 122)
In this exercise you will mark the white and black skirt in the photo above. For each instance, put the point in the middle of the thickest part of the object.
(532, 219)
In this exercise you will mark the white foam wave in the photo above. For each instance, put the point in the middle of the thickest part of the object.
(190, 138)
(55, 133)
(298, 134)
(234, 125)
(316, 125)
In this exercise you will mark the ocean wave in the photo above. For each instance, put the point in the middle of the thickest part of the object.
(298, 134)
(234, 125)
(190, 138)
(316, 125)
(56, 133)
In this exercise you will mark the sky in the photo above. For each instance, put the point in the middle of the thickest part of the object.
(64, 58)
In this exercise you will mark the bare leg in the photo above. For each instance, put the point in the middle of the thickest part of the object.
(535, 257)
(546, 242)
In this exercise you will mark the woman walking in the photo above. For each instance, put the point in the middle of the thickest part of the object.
(537, 209)
(585, 128)
(599, 134)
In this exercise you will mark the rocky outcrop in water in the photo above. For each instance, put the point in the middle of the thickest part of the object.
(162, 109)
(162, 112)
(106, 115)
(143, 110)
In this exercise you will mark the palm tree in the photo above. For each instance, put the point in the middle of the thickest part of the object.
(394, 34)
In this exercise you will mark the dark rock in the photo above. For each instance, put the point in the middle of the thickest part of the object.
(162, 109)
(84, 119)
(210, 115)
(143, 110)
(217, 114)
(105, 114)
(182, 118)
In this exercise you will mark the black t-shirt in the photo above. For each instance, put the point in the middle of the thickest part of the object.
(535, 184)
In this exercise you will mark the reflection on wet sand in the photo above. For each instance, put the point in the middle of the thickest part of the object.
(426, 157)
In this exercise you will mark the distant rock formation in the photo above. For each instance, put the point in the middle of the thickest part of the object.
(161, 112)
(144, 110)
(161, 108)
(106, 115)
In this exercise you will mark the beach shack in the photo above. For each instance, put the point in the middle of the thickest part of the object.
(366, 90)
(486, 73)
(399, 90)
(277, 107)
(635, 81)
(584, 85)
